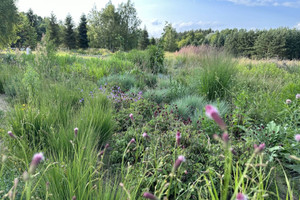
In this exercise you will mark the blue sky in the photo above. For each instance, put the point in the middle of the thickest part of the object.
(185, 14)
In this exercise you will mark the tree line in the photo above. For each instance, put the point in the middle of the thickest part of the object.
(113, 28)
(118, 28)
(282, 43)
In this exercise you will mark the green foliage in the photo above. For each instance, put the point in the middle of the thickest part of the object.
(8, 26)
(169, 38)
(144, 39)
(215, 77)
(114, 29)
(27, 36)
(69, 34)
(151, 60)
(31, 81)
(82, 33)
(53, 31)
(156, 59)
(97, 96)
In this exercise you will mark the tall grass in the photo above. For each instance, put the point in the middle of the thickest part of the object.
(215, 76)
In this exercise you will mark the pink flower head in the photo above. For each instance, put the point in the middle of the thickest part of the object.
(132, 141)
(288, 101)
(148, 195)
(131, 116)
(37, 158)
(241, 196)
(106, 146)
(297, 137)
(178, 137)
(259, 148)
(297, 96)
(145, 135)
(212, 113)
(178, 162)
(74, 198)
(75, 131)
(11, 134)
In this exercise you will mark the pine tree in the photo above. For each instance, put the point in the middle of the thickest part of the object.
(152, 41)
(69, 34)
(53, 30)
(144, 39)
(82, 33)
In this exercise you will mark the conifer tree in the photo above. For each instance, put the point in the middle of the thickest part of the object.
(144, 39)
(53, 30)
(69, 34)
(82, 33)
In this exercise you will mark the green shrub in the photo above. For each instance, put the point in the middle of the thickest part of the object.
(125, 81)
(156, 59)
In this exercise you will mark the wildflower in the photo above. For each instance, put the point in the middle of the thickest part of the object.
(297, 137)
(259, 148)
(106, 146)
(288, 101)
(37, 158)
(131, 116)
(148, 195)
(145, 135)
(11, 134)
(75, 131)
(178, 137)
(178, 162)
(297, 96)
(132, 141)
(74, 198)
(212, 113)
(241, 196)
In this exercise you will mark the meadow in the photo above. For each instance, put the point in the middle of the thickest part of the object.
(195, 124)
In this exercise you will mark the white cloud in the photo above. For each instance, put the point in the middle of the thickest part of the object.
(156, 22)
(266, 3)
(183, 26)
(297, 26)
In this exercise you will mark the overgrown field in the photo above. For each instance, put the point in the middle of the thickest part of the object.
(143, 124)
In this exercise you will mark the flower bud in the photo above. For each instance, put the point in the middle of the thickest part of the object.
(148, 195)
(75, 131)
(178, 137)
(11, 134)
(37, 158)
(178, 162)
(212, 113)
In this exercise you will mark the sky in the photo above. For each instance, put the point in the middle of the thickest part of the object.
(184, 14)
